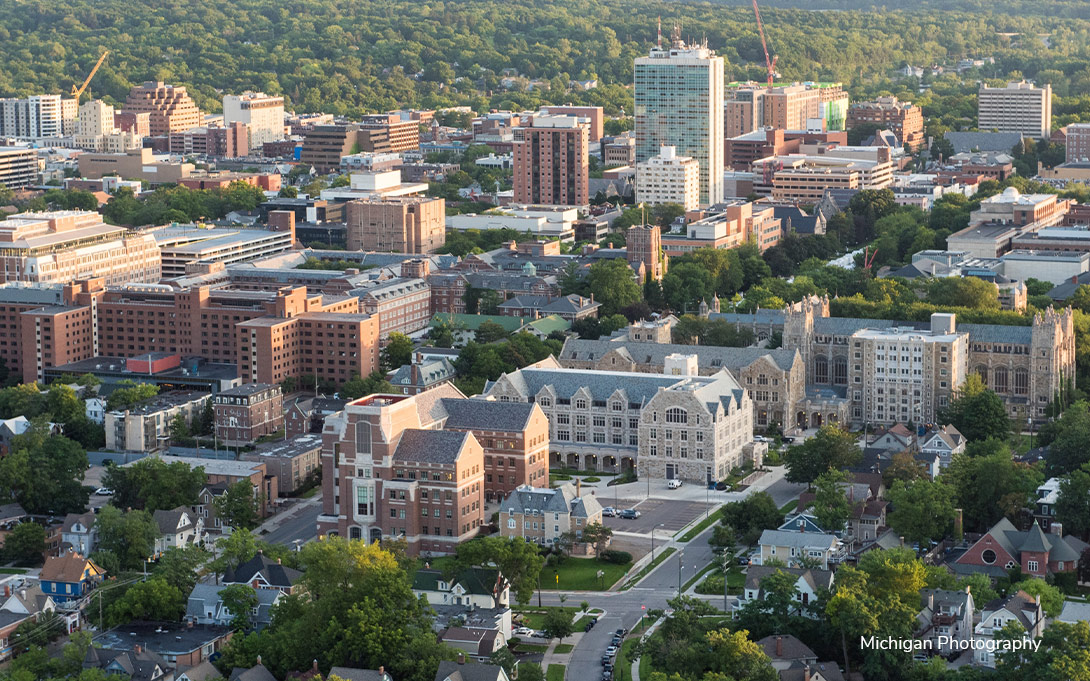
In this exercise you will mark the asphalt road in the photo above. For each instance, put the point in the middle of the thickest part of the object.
(297, 522)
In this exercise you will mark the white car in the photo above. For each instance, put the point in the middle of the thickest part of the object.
(673, 484)
(104, 492)
(524, 631)
(761, 438)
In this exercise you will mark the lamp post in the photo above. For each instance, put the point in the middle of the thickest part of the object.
(680, 560)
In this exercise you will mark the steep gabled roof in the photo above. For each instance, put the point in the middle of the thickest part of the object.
(273, 572)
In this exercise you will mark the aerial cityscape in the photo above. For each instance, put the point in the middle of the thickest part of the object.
(714, 340)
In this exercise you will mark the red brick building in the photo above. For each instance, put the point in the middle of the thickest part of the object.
(250, 411)
(387, 473)
(903, 118)
(551, 161)
(1035, 551)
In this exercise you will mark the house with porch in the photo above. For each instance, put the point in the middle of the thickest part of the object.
(477, 587)
(264, 573)
(943, 442)
(790, 547)
(178, 528)
(69, 576)
(945, 619)
(808, 584)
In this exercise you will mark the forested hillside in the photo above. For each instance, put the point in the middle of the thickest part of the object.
(350, 57)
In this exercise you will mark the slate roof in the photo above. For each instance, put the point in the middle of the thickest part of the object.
(958, 601)
(578, 349)
(797, 539)
(452, 671)
(487, 414)
(430, 372)
(273, 572)
(354, 674)
(983, 141)
(798, 220)
(560, 499)
(475, 580)
(1014, 541)
(256, 673)
(1067, 289)
(570, 304)
(756, 574)
(762, 317)
(142, 666)
(791, 648)
(1075, 612)
(430, 446)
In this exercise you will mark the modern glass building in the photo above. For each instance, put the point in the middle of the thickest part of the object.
(679, 103)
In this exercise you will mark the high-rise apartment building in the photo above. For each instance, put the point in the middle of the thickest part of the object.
(262, 113)
(96, 129)
(1078, 142)
(593, 114)
(35, 116)
(679, 102)
(551, 161)
(669, 178)
(903, 118)
(1018, 107)
(412, 224)
(228, 141)
(170, 107)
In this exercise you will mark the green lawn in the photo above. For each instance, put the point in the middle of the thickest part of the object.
(562, 648)
(12, 571)
(789, 506)
(623, 670)
(555, 673)
(530, 648)
(534, 617)
(632, 581)
(700, 575)
(581, 574)
(700, 527)
(1020, 444)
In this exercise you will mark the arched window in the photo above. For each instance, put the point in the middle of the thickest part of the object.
(355, 533)
(821, 369)
(999, 380)
(677, 415)
(1021, 382)
(840, 371)
(982, 371)
(363, 437)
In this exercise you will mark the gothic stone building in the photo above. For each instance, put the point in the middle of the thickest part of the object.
(1025, 365)
(775, 379)
(696, 428)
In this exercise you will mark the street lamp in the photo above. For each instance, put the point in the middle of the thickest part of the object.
(680, 560)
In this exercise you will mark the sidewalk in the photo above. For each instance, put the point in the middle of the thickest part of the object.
(650, 630)
(553, 657)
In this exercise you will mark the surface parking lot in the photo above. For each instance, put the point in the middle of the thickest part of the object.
(672, 515)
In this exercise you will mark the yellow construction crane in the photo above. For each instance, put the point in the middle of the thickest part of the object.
(76, 92)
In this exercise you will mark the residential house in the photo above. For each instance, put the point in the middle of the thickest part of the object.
(477, 587)
(460, 671)
(943, 442)
(1036, 552)
(79, 532)
(205, 606)
(355, 674)
(867, 520)
(205, 671)
(11, 515)
(308, 415)
(137, 664)
(1048, 493)
(27, 598)
(896, 438)
(9, 623)
(800, 522)
(1020, 608)
(1074, 612)
(808, 584)
(792, 546)
(793, 660)
(543, 515)
(69, 576)
(421, 374)
(178, 528)
(181, 644)
(258, 672)
(946, 620)
(264, 573)
(95, 409)
(477, 643)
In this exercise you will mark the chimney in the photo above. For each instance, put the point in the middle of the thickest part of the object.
(931, 601)
(779, 646)
(314, 665)
(461, 658)
(578, 488)
(806, 673)
(259, 659)
(137, 649)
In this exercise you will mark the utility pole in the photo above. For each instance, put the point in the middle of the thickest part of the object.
(680, 560)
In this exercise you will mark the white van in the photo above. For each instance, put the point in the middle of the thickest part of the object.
(673, 484)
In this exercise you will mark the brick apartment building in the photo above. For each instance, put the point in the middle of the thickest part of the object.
(387, 474)
(250, 411)
(740, 152)
(396, 225)
(291, 460)
(551, 161)
(228, 141)
(400, 305)
(903, 118)
(388, 133)
(169, 107)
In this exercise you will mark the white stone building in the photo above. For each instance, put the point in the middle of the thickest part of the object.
(262, 113)
(669, 178)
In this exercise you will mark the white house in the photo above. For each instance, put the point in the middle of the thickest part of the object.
(808, 583)
(477, 587)
(79, 532)
(95, 409)
(943, 443)
(1019, 608)
(178, 528)
(790, 547)
(945, 619)
(205, 606)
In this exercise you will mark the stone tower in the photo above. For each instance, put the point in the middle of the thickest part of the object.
(1052, 354)
(798, 324)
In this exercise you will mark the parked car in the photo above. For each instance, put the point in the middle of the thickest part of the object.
(538, 634)
(742, 560)
(718, 550)
(611, 651)
(720, 485)
(673, 484)
(607, 660)
(524, 631)
(104, 492)
(616, 641)
(761, 438)
(787, 440)
(609, 512)
(607, 675)
(622, 632)
(629, 514)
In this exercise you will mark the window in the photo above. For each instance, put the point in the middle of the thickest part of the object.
(363, 437)
(1031, 565)
(821, 369)
(988, 556)
(677, 415)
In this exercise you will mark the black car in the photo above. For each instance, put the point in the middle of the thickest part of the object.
(616, 641)
(720, 485)
(588, 626)
(742, 560)
(787, 440)
(622, 632)
(629, 514)
(607, 660)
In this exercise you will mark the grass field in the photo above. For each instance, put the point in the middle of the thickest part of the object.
(581, 574)
(555, 673)
(700, 527)
(563, 648)
(535, 617)
(531, 648)
(623, 670)
(789, 506)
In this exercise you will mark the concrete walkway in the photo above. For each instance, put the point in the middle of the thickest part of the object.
(646, 635)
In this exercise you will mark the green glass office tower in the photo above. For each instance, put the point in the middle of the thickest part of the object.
(679, 103)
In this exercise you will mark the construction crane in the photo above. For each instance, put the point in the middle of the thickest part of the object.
(76, 92)
(770, 63)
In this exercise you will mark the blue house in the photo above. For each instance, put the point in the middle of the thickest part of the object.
(69, 576)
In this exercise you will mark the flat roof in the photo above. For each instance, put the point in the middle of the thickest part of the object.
(213, 466)
(288, 448)
(190, 368)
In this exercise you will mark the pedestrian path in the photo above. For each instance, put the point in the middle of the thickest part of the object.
(636, 663)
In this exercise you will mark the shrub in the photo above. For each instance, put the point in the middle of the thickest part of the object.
(617, 557)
